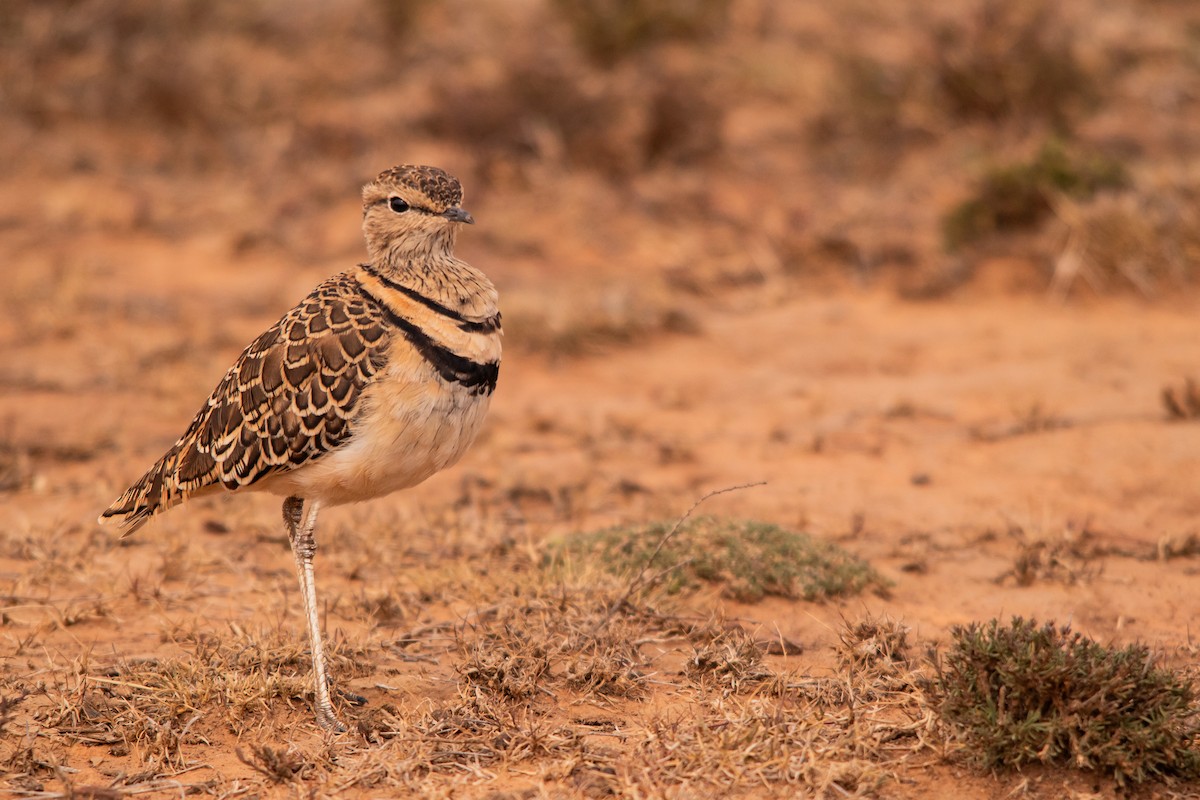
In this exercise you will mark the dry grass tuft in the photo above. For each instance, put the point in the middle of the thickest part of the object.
(829, 737)
(685, 119)
(611, 668)
(1028, 420)
(610, 30)
(751, 559)
(16, 468)
(8, 705)
(538, 107)
(752, 743)
(504, 664)
(1022, 693)
(585, 642)
(150, 709)
(278, 765)
(546, 107)
(990, 60)
(1146, 241)
(876, 644)
(1066, 556)
(524, 666)
(400, 17)
(158, 65)
(469, 738)
(1182, 401)
(731, 661)
(1013, 60)
(872, 115)
(20, 760)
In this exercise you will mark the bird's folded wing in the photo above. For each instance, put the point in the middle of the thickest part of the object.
(289, 398)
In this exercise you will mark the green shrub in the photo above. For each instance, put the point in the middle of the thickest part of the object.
(1020, 195)
(1021, 694)
(752, 559)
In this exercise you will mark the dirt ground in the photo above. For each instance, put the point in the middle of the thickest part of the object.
(993, 443)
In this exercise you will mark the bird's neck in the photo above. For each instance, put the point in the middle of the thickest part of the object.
(442, 278)
(415, 246)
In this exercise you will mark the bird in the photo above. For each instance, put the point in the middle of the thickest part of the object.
(375, 381)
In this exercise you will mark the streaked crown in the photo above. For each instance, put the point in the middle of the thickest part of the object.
(428, 187)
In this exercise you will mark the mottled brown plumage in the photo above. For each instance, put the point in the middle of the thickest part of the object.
(442, 190)
(375, 381)
(289, 398)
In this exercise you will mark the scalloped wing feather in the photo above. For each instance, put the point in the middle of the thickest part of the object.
(291, 397)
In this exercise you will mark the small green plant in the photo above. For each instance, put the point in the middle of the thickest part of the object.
(1023, 693)
(752, 559)
(1020, 195)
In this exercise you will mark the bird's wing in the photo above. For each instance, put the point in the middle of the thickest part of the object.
(288, 399)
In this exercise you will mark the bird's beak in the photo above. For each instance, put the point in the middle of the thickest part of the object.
(458, 215)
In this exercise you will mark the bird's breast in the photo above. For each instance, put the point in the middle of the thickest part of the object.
(412, 422)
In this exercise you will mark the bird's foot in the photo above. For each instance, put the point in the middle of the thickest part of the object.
(328, 721)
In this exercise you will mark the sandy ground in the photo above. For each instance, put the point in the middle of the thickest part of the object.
(990, 455)
(722, 263)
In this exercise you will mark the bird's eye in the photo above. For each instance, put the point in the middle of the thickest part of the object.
(398, 205)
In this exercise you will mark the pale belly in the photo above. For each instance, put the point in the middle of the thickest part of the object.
(404, 433)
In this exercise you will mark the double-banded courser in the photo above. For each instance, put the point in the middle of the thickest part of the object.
(375, 381)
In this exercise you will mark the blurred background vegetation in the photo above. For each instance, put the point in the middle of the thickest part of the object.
(653, 150)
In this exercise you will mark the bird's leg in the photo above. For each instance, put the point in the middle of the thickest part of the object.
(293, 508)
(301, 518)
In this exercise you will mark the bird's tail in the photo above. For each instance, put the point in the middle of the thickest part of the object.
(154, 492)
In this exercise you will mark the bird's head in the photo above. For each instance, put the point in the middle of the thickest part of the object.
(411, 212)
